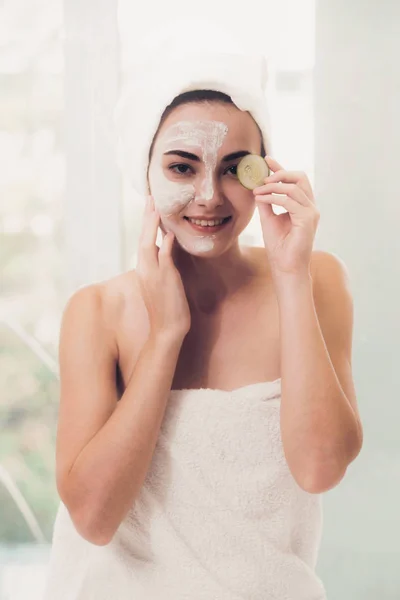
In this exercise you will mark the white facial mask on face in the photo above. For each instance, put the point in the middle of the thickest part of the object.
(171, 197)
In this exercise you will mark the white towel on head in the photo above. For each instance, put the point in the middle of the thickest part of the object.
(167, 67)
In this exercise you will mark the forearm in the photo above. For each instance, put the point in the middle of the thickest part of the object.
(318, 425)
(108, 474)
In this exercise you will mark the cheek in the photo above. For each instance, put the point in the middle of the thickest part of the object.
(170, 197)
(238, 195)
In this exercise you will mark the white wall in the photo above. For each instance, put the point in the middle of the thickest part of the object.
(357, 152)
(92, 210)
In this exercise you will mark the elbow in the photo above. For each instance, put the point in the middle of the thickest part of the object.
(87, 520)
(328, 475)
(323, 481)
(90, 527)
(94, 535)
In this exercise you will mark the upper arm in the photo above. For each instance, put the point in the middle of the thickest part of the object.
(88, 391)
(335, 310)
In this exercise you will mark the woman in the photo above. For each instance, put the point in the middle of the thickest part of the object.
(206, 397)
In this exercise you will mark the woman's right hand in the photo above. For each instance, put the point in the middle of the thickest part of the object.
(160, 281)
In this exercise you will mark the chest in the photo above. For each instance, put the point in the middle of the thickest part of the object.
(235, 346)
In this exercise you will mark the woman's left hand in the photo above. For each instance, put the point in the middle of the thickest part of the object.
(288, 237)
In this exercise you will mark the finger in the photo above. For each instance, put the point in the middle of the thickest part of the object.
(298, 177)
(291, 190)
(163, 234)
(165, 253)
(286, 176)
(291, 205)
(150, 224)
(147, 243)
(273, 164)
(266, 212)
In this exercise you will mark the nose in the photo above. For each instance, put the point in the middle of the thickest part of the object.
(208, 192)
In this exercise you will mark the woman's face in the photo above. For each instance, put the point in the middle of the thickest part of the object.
(192, 173)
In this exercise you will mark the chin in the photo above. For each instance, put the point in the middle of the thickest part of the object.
(203, 247)
(197, 243)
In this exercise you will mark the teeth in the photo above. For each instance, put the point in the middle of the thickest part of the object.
(206, 223)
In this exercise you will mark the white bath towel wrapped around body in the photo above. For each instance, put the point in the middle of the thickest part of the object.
(220, 516)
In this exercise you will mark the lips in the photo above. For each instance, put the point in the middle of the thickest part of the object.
(207, 228)
(205, 218)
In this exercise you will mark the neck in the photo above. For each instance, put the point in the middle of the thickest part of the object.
(210, 281)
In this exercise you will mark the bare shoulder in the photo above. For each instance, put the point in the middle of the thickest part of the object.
(118, 290)
(118, 293)
(330, 259)
(333, 295)
(329, 270)
(107, 300)
(322, 262)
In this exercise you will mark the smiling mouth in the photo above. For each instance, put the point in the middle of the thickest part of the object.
(209, 227)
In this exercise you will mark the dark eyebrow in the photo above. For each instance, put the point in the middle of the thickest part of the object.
(235, 155)
(191, 156)
(184, 154)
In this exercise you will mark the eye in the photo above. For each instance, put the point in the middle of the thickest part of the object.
(183, 169)
(232, 170)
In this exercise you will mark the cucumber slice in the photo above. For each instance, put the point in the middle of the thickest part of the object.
(252, 170)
